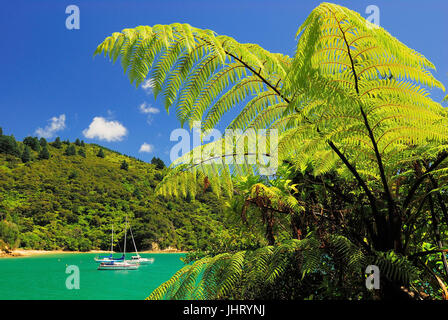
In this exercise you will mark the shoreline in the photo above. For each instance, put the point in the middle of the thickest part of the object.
(32, 252)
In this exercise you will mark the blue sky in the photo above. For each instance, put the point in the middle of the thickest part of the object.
(48, 72)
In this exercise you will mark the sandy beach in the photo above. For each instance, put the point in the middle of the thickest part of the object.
(164, 251)
(31, 252)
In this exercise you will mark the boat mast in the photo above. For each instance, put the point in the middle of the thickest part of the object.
(125, 226)
(132, 235)
(112, 244)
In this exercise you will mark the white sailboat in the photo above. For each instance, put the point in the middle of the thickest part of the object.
(137, 259)
(119, 265)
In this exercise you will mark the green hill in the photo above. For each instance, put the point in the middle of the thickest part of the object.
(71, 200)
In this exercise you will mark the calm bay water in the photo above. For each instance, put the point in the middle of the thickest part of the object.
(44, 277)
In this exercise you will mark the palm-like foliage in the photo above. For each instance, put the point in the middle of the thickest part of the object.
(236, 275)
(228, 274)
(192, 67)
(352, 102)
(349, 82)
(365, 97)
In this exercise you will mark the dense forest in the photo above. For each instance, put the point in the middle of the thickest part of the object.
(67, 195)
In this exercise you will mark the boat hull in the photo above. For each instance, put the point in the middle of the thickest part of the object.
(118, 266)
(140, 261)
(107, 260)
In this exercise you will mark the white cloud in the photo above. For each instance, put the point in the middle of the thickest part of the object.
(146, 147)
(148, 86)
(148, 109)
(56, 124)
(105, 130)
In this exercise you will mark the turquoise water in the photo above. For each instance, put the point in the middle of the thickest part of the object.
(44, 277)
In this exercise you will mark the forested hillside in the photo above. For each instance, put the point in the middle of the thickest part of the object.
(65, 195)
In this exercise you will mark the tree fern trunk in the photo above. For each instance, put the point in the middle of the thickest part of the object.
(269, 227)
